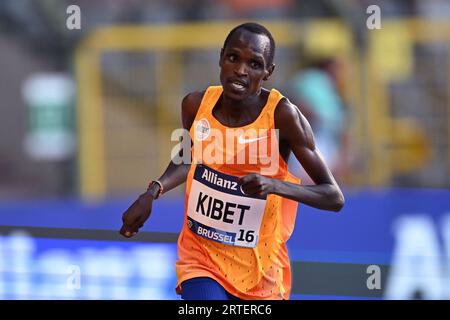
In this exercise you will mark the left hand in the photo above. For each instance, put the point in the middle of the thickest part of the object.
(255, 184)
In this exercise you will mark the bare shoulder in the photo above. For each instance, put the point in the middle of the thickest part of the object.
(292, 124)
(189, 107)
(286, 111)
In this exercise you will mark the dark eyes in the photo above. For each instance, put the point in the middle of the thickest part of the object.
(232, 58)
(253, 64)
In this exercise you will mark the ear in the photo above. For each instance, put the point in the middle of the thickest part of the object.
(269, 72)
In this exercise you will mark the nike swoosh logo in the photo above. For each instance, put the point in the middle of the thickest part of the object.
(241, 139)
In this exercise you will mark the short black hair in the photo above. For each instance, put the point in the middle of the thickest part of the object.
(254, 28)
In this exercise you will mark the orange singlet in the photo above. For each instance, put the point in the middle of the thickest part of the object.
(235, 239)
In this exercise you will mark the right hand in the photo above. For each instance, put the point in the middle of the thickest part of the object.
(136, 215)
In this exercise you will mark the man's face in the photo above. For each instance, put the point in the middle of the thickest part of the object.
(244, 64)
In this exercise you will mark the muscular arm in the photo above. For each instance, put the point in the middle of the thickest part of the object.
(296, 133)
(176, 174)
(136, 215)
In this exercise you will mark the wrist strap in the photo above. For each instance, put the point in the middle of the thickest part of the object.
(161, 188)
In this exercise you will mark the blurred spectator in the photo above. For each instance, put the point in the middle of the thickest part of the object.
(316, 92)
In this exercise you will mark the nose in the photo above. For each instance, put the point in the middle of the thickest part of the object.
(241, 69)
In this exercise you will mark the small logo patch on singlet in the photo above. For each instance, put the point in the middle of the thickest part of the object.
(242, 140)
(202, 129)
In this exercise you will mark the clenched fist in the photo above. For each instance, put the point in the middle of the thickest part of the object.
(135, 216)
(255, 184)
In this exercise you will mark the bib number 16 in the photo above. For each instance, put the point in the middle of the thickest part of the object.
(248, 236)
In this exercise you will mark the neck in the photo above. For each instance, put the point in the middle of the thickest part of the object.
(235, 107)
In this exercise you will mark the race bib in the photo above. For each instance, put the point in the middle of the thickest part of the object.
(218, 210)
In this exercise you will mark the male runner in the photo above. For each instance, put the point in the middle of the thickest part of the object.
(238, 213)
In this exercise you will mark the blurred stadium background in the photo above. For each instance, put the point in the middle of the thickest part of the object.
(86, 117)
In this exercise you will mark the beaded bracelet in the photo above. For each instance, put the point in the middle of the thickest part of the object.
(160, 187)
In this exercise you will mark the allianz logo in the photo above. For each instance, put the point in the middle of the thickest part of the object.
(213, 178)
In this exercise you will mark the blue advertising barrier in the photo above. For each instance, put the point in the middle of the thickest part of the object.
(363, 225)
(374, 227)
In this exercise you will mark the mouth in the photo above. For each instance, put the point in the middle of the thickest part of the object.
(237, 84)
